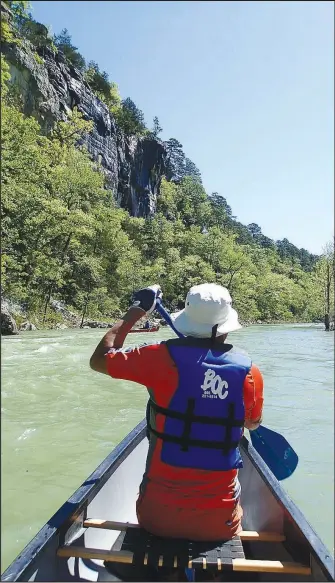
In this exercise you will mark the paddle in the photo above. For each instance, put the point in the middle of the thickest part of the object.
(275, 450)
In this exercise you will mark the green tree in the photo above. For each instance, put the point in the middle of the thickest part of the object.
(130, 118)
(114, 97)
(175, 160)
(254, 229)
(192, 203)
(191, 170)
(157, 129)
(167, 200)
(72, 131)
(286, 249)
(324, 271)
(107, 91)
(19, 8)
(221, 212)
(180, 274)
(98, 81)
(13, 15)
(36, 33)
(5, 77)
(275, 294)
(63, 43)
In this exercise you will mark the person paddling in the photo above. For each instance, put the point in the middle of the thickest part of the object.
(203, 392)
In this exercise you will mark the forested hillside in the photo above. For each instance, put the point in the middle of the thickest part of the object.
(65, 235)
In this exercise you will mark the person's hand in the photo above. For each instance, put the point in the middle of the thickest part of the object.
(146, 298)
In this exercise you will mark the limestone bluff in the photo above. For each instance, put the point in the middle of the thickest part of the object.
(133, 166)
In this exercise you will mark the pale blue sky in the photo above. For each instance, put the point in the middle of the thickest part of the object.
(246, 87)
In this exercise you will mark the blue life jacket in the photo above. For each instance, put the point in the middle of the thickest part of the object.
(205, 417)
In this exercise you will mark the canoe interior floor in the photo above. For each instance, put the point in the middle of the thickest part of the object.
(122, 572)
(137, 555)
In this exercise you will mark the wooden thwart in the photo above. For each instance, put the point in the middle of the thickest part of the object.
(102, 554)
(237, 564)
(245, 535)
(269, 537)
(270, 567)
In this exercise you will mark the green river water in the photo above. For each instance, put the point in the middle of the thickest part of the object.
(60, 419)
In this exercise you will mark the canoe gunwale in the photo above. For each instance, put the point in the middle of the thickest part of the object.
(23, 566)
(317, 548)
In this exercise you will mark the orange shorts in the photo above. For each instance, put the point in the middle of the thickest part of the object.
(206, 524)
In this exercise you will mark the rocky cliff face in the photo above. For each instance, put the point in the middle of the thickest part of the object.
(133, 167)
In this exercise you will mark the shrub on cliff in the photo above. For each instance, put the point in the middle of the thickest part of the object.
(130, 118)
(106, 90)
(13, 15)
(63, 43)
(178, 166)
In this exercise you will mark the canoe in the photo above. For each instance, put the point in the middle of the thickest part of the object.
(98, 523)
(153, 329)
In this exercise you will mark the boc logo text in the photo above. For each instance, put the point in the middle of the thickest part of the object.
(214, 386)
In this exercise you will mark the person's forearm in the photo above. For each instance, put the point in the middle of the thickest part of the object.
(114, 338)
(116, 335)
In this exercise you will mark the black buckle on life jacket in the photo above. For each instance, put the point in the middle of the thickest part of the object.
(185, 441)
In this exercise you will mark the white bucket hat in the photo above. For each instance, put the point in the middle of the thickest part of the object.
(206, 305)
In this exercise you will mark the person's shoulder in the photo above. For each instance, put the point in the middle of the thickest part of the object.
(240, 357)
(238, 350)
(253, 367)
(142, 363)
(144, 347)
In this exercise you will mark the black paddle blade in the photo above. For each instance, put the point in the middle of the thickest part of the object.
(277, 453)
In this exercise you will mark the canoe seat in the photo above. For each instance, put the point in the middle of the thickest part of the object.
(156, 551)
(138, 547)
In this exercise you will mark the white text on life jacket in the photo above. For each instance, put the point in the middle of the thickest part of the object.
(213, 386)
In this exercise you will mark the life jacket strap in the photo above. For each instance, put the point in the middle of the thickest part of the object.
(185, 444)
(224, 421)
(185, 441)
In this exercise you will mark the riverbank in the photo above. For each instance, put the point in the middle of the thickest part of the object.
(14, 319)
